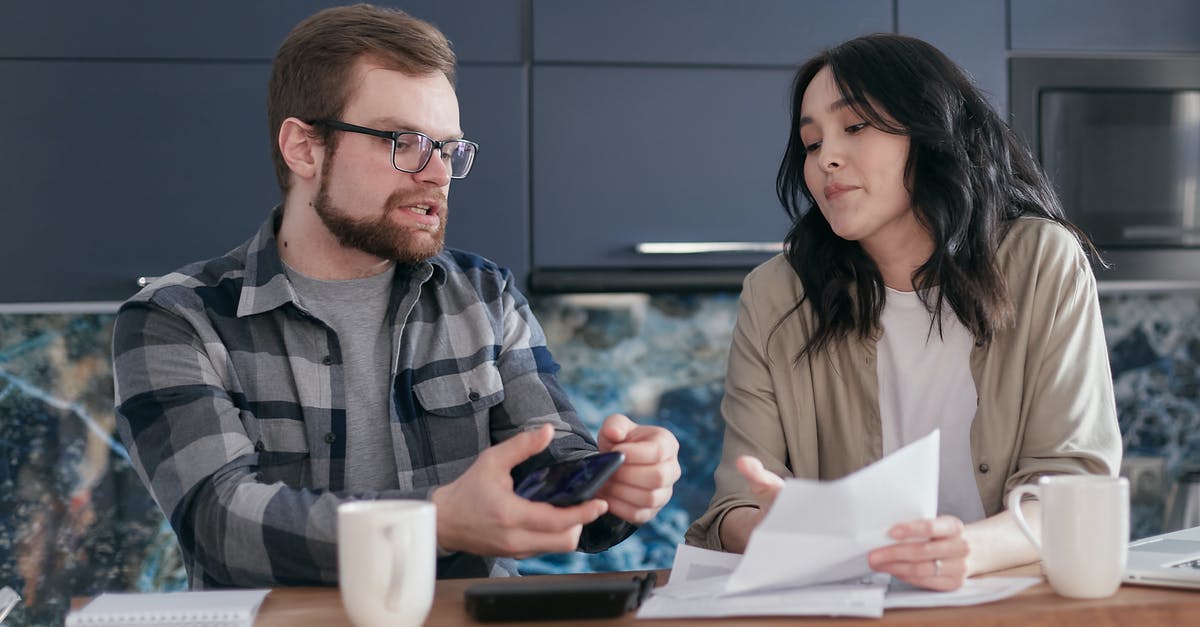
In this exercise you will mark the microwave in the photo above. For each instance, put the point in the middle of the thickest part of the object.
(1119, 137)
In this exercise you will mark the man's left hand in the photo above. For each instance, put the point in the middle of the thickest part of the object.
(643, 484)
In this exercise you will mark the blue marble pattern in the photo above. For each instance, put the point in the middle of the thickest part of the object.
(76, 519)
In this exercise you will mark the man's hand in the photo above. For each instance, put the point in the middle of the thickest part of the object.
(642, 485)
(479, 512)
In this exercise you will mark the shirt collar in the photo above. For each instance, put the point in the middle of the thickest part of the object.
(266, 285)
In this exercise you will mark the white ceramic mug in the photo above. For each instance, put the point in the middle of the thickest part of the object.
(387, 561)
(1085, 531)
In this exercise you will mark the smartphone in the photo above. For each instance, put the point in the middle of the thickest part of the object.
(570, 482)
(556, 600)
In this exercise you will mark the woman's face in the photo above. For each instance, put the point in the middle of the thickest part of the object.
(855, 171)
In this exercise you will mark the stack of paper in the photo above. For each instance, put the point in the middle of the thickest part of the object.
(808, 556)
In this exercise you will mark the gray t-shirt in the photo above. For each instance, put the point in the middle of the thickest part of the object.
(356, 310)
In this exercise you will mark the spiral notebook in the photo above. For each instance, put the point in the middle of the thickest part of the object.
(210, 608)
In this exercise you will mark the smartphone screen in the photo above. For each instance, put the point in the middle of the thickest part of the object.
(570, 482)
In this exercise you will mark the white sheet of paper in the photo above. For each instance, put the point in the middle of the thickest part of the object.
(698, 578)
(826, 600)
(821, 531)
(972, 592)
(697, 574)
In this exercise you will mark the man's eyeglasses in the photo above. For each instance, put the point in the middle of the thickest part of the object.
(411, 150)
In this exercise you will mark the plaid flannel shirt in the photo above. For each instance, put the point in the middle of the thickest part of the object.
(231, 400)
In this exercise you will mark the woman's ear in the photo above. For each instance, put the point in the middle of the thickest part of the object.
(300, 149)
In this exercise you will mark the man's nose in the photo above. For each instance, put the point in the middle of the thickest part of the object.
(437, 171)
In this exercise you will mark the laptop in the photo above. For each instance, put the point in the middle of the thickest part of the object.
(1171, 559)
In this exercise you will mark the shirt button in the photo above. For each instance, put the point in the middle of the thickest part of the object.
(330, 438)
(259, 447)
(984, 468)
(327, 360)
(474, 396)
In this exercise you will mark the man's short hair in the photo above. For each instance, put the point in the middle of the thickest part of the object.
(312, 71)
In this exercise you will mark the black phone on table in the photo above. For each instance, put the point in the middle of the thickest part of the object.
(530, 599)
(570, 482)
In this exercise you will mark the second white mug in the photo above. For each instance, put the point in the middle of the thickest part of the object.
(1085, 531)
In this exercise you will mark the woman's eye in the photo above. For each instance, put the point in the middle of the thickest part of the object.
(854, 128)
(813, 147)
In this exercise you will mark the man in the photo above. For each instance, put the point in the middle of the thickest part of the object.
(342, 353)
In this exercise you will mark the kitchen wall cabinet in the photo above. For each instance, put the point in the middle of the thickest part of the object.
(135, 137)
(700, 32)
(973, 34)
(481, 30)
(664, 122)
(1105, 25)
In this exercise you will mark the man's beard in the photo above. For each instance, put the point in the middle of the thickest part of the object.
(381, 236)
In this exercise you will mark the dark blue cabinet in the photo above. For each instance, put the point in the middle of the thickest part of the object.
(136, 139)
(973, 34)
(481, 30)
(629, 155)
(1105, 25)
(701, 32)
(664, 122)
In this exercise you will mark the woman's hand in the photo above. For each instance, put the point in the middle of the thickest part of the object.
(740, 522)
(764, 484)
(928, 553)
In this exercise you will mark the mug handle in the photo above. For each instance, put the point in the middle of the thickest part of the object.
(1014, 506)
(398, 537)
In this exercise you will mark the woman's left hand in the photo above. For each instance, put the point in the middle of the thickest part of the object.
(928, 553)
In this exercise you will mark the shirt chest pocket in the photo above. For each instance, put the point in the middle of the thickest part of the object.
(283, 453)
(463, 394)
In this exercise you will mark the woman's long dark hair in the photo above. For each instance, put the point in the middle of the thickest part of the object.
(969, 177)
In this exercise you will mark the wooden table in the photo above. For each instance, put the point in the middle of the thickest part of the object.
(1037, 606)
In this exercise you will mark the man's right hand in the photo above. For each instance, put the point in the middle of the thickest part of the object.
(479, 512)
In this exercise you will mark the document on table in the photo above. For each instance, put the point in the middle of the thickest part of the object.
(698, 569)
(809, 554)
(824, 529)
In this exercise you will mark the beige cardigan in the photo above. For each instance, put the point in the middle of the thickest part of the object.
(1044, 385)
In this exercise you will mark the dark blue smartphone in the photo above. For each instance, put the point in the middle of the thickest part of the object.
(570, 482)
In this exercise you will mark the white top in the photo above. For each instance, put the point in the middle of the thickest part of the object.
(925, 383)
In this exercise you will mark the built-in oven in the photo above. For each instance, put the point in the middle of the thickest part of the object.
(1120, 138)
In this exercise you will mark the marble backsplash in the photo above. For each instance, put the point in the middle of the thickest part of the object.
(76, 520)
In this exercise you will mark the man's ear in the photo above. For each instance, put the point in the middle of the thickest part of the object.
(301, 151)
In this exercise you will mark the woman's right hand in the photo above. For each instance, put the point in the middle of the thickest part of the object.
(764, 484)
(740, 522)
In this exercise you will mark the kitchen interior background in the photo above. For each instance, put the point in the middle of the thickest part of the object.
(75, 520)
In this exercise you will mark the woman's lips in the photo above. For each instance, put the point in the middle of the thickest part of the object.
(834, 190)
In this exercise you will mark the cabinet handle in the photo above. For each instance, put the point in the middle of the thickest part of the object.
(143, 281)
(703, 248)
(1148, 231)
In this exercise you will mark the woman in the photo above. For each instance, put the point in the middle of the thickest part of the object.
(936, 285)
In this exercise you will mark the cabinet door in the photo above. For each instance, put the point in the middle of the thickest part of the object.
(115, 170)
(709, 32)
(625, 155)
(481, 30)
(489, 210)
(970, 33)
(1117, 25)
(154, 153)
